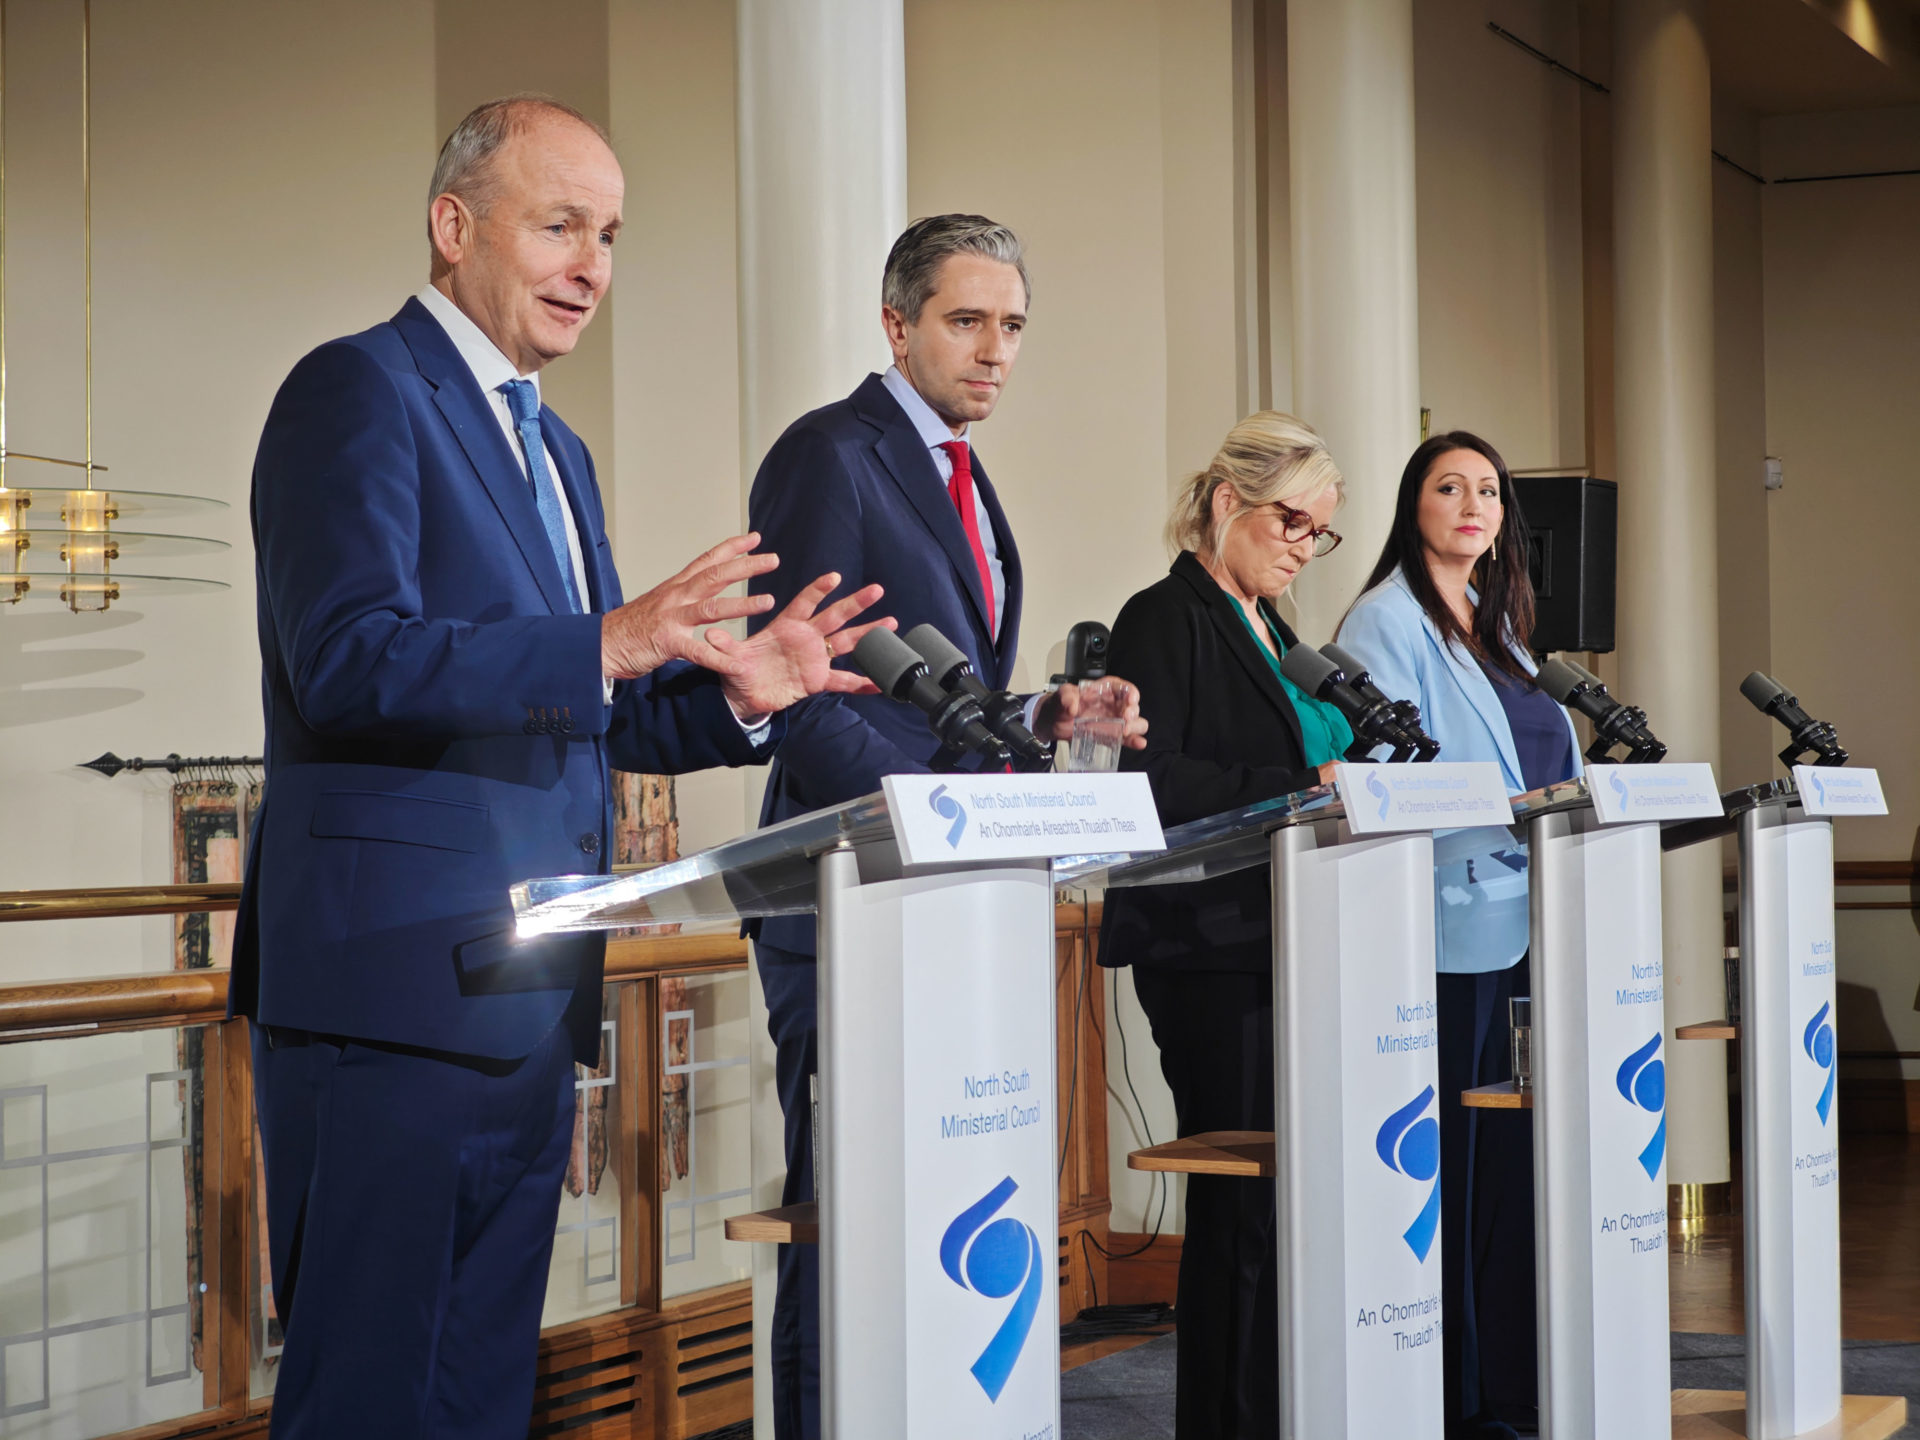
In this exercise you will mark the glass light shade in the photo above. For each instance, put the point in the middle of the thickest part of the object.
(94, 590)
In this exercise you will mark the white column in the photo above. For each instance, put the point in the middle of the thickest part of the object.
(1664, 430)
(823, 193)
(822, 136)
(1356, 340)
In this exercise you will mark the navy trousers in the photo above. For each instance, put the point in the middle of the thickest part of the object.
(1215, 1033)
(787, 977)
(411, 1200)
(1486, 1216)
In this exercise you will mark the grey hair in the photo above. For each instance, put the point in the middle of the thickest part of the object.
(466, 165)
(913, 265)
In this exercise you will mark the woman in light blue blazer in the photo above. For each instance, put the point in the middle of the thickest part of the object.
(1445, 622)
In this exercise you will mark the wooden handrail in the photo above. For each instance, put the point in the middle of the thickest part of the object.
(103, 903)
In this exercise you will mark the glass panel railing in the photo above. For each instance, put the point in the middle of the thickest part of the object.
(704, 1136)
(584, 1276)
(109, 1197)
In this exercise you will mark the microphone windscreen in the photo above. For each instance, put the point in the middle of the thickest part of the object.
(1344, 659)
(884, 658)
(1584, 673)
(1762, 690)
(1307, 668)
(940, 653)
(1559, 680)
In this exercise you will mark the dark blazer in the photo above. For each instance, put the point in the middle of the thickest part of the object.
(435, 721)
(1221, 734)
(851, 488)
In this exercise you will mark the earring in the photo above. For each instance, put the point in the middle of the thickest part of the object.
(1496, 549)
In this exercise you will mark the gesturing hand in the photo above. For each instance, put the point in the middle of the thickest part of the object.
(792, 656)
(1111, 697)
(675, 620)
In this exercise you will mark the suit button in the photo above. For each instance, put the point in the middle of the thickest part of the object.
(532, 727)
(590, 843)
(566, 725)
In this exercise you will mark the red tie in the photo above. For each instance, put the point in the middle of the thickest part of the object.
(960, 487)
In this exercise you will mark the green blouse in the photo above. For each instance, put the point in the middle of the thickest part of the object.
(1324, 732)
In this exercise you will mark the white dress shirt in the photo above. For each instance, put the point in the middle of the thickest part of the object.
(934, 433)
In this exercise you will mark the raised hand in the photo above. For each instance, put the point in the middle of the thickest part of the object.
(792, 656)
(675, 619)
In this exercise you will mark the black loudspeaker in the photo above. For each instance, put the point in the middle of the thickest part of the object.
(1575, 524)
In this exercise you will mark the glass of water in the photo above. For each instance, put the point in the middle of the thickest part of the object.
(1100, 726)
(1520, 1017)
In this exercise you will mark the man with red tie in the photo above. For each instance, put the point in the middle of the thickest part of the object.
(885, 485)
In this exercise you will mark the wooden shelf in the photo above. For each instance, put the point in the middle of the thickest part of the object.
(1218, 1152)
(1707, 1030)
(1722, 1415)
(1504, 1096)
(789, 1225)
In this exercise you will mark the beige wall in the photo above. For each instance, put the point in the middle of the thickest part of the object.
(1842, 283)
(1498, 137)
(258, 172)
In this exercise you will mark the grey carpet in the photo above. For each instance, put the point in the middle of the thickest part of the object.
(1129, 1396)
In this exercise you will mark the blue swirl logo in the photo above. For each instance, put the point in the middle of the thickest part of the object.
(1374, 787)
(948, 808)
(1409, 1144)
(1819, 789)
(1619, 784)
(1817, 1041)
(995, 1258)
(1642, 1079)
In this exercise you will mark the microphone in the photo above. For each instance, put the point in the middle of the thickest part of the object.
(1004, 714)
(1373, 721)
(1806, 734)
(1404, 711)
(1613, 723)
(884, 658)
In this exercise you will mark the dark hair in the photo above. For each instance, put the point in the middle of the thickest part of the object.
(1504, 616)
(913, 265)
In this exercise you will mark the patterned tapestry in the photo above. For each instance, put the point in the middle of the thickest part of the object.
(210, 818)
(646, 831)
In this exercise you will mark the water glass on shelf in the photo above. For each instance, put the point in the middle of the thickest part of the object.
(1100, 726)
(1520, 1018)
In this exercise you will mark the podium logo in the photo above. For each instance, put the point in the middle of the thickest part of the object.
(1817, 1041)
(995, 1258)
(1375, 788)
(948, 808)
(1409, 1144)
(1819, 798)
(1619, 784)
(1642, 1079)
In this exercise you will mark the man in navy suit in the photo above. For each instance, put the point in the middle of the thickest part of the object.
(448, 672)
(886, 484)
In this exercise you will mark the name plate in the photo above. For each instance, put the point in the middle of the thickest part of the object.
(1636, 794)
(939, 819)
(1839, 790)
(1445, 795)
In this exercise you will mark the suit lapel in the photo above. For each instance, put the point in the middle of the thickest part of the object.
(906, 460)
(466, 412)
(1477, 691)
(1221, 611)
(1007, 642)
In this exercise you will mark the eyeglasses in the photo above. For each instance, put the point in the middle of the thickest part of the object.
(1298, 525)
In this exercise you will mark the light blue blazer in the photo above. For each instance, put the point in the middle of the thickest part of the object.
(1480, 876)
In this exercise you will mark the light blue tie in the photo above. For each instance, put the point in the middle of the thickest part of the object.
(523, 400)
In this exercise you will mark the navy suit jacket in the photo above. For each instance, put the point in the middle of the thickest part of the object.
(435, 720)
(851, 488)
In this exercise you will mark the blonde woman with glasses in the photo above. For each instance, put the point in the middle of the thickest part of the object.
(1225, 729)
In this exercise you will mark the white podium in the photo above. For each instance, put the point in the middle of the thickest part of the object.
(1600, 1129)
(1356, 1153)
(938, 1188)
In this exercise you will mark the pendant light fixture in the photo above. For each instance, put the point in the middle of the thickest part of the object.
(64, 542)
